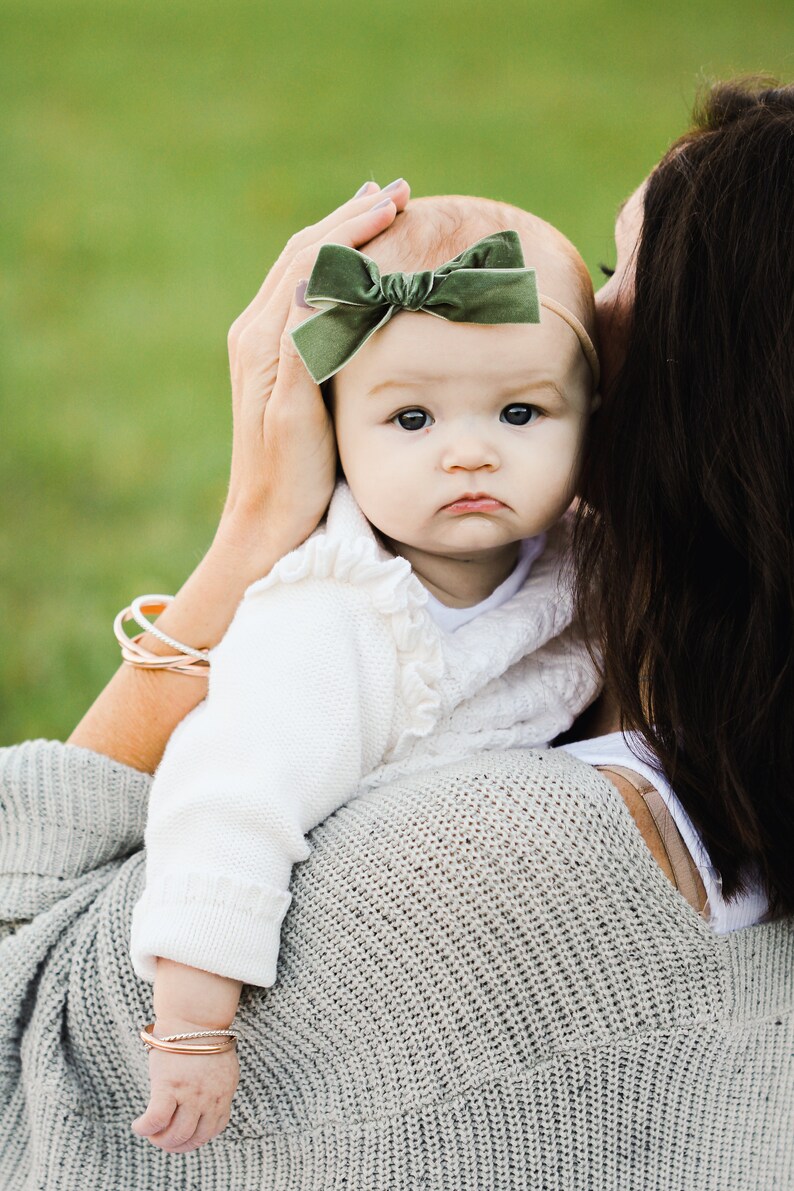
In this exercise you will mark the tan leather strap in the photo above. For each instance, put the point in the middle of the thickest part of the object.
(658, 829)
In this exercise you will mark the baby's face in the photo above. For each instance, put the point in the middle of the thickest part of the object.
(458, 439)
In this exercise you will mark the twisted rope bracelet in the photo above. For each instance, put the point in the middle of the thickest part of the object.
(154, 605)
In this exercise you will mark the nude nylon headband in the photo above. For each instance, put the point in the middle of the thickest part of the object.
(585, 342)
(487, 283)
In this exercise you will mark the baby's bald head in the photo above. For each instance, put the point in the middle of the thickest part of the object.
(431, 231)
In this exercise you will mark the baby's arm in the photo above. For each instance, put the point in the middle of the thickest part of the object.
(300, 707)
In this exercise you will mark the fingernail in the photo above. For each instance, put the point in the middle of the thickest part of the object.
(363, 189)
(300, 294)
(383, 203)
(393, 185)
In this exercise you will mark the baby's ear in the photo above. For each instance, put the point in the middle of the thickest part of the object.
(595, 403)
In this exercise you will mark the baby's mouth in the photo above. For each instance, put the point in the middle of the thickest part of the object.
(474, 502)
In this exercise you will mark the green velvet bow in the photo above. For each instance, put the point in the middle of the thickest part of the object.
(486, 283)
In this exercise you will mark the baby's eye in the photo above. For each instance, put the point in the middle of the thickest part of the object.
(607, 271)
(519, 415)
(412, 419)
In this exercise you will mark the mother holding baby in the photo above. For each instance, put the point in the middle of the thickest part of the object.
(516, 970)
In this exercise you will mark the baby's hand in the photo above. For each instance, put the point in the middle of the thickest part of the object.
(190, 1100)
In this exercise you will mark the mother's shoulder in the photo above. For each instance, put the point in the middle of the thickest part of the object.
(507, 884)
(548, 838)
(545, 800)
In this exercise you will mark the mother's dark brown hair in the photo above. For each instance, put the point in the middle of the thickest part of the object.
(685, 541)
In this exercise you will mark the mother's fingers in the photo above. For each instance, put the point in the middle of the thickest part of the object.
(361, 201)
(283, 449)
(360, 205)
(355, 231)
(283, 446)
(398, 191)
(278, 401)
(254, 338)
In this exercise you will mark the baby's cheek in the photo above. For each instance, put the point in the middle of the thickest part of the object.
(550, 484)
(387, 507)
(554, 506)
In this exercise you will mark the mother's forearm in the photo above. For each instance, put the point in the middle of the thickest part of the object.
(134, 716)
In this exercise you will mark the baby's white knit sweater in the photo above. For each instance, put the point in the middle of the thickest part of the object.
(333, 679)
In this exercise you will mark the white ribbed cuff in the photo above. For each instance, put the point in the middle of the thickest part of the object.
(209, 922)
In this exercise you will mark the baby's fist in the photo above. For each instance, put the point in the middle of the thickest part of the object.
(190, 1099)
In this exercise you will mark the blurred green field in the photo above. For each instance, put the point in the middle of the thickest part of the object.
(154, 158)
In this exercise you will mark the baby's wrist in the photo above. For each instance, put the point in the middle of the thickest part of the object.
(188, 999)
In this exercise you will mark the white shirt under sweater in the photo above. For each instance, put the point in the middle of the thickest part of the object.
(747, 908)
(334, 678)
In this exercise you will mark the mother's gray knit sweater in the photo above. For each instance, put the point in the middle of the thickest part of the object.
(485, 982)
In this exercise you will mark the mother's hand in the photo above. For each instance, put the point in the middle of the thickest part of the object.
(283, 462)
(283, 450)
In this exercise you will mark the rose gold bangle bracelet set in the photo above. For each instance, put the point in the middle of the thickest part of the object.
(178, 1044)
(185, 659)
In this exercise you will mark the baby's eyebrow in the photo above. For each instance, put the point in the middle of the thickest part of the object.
(525, 387)
(403, 383)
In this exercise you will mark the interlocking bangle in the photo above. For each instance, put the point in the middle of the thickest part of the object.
(152, 605)
(174, 1045)
(186, 661)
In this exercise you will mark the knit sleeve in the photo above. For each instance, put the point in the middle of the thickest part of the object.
(64, 811)
(300, 705)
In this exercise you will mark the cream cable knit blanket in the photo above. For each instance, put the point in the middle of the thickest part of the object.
(332, 679)
(485, 985)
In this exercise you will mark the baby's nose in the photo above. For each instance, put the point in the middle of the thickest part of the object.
(469, 453)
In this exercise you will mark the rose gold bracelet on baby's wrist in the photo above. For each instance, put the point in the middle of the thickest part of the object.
(177, 1043)
(186, 660)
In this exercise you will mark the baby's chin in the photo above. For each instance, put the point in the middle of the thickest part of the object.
(467, 537)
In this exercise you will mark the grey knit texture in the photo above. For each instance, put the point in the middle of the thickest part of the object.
(485, 983)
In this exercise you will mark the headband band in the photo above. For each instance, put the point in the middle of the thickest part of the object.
(585, 342)
(486, 283)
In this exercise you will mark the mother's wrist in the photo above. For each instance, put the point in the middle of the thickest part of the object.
(250, 545)
(241, 552)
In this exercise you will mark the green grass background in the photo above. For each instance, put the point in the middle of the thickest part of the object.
(153, 158)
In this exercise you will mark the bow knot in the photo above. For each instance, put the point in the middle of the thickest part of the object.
(487, 283)
(408, 291)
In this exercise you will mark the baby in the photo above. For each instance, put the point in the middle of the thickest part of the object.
(426, 620)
